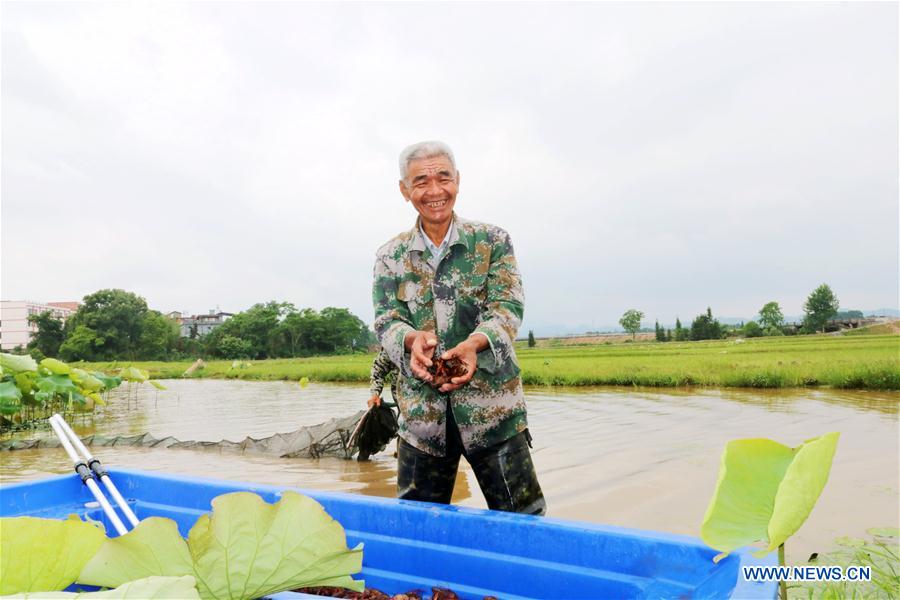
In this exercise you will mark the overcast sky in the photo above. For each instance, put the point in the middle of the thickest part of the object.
(663, 157)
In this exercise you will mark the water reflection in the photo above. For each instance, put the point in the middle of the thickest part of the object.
(643, 458)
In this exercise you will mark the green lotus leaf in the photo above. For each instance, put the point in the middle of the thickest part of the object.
(304, 381)
(17, 363)
(150, 588)
(10, 398)
(154, 547)
(56, 367)
(109, 381)
(44, 555)
(884, 532)
(850, 542)
(269, 548)
(86, 381)
(57, 385)
(134, 374)
(801, 487)
(245, 549)
(156, 384)
(25, 382)
(765, 492)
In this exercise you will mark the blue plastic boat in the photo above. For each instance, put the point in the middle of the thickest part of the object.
(475, 553)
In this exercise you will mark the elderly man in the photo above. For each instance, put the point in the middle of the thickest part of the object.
(450, 288)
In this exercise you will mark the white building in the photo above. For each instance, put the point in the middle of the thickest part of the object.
(198, 325)
(15, 330)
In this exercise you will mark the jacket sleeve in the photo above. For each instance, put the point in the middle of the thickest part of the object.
(393, 320)
(505, 304)
(381, 368)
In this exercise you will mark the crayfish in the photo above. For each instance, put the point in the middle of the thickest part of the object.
(442, 371)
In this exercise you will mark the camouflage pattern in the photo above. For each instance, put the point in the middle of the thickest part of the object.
(475, 288)
(382, 369)
(504, 472)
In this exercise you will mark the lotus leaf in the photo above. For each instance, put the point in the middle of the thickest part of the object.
(304, 381)
(17, 363)
(134, 374)
(86, 381)
(57, 367)
(25, 382)
(157, 384)
(154, 547)
(887, 532)
(44, 555)
(10, 398)
(765, 492)
(245, 549)
(150, 588)
(849, 542)
(109, 381)
(56, 384)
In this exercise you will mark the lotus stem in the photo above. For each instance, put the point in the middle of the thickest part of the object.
(782, 584)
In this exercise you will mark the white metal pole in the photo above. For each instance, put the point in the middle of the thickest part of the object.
(87, 477)
(97, 468)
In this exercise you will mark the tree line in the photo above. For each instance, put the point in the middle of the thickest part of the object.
(820, 307)
(118, 325)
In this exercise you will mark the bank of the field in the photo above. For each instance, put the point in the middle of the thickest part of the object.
(851, 362)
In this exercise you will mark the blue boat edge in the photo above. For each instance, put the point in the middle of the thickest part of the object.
(42, 498)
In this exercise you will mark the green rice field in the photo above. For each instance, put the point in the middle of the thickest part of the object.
(850, 362)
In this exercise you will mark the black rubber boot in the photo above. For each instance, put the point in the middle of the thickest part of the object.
(423, 477)
(507, 478)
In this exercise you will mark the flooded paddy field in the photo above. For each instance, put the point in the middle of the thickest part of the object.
(641, 458)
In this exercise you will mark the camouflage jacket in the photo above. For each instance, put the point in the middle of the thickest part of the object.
(475, 288)
(382, 368)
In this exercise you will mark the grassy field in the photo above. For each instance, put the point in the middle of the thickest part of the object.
(852, 362)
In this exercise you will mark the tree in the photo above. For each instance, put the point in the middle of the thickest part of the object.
(668, 335)
(116, 318)
(660, 332)
(229, 346)
(531, 341)
(256, 326)
(291, 329)
(680, 333)
(49, 335)
(345, 331)
(820, 306)
(752, 329)
(705, 327)
(82, 344)
(159, 337)
(631, 321)
(771, 317)
(278, 329)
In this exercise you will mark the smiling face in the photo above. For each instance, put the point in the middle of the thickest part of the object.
(431, 185)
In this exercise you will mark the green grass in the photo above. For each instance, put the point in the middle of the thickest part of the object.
(881, 553)
(854, 362)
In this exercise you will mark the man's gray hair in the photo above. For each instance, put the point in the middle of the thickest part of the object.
(428, 149)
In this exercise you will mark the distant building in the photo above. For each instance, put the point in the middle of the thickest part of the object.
(15, 330)
(198, 325)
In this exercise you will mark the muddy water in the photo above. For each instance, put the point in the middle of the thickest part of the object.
(637, 458)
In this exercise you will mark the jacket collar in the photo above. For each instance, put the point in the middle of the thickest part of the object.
(457, 236)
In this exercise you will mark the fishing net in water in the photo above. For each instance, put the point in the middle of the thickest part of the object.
(331, 438)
